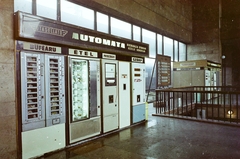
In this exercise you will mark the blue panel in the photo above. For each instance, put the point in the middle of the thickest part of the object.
(138, 113)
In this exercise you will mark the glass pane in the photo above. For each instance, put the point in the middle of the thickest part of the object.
(23, 5)
(136, 33)
(77, 15)
(168, 47)
(175, 50)
(182, 52)
(120, 28)
(47, 8)
(149, 37)
(80, 94)
(150, 78)
(102, 22)
(159, 42)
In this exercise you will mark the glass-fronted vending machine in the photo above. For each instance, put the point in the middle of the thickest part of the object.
(43, 103)
(84, 95)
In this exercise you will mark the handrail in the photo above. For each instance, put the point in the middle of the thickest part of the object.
(211, 103)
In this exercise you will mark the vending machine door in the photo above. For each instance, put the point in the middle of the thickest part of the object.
(32, 91)
(55, 89)
(79, 82)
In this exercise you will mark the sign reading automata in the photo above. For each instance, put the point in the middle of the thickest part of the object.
(36, 28)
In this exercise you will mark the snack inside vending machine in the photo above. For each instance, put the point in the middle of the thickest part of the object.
(42, 102)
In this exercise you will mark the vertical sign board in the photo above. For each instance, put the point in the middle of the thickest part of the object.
(163, 70)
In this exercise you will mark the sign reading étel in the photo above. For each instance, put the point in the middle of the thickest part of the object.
(36, 28)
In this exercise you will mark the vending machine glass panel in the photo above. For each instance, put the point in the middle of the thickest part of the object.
(110, 74)
(80, 89)
(55, 99)
(32, 90)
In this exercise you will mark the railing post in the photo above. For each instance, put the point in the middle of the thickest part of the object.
(156, 102)
(173, 103)
(237, 107)
(191, 94)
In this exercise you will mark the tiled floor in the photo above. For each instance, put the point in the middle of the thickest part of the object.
(161, 138)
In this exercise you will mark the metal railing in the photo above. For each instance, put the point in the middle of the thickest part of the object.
(211, 103)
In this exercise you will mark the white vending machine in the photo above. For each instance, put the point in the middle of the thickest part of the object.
(110, 93)
(124, 94)
(42, 103)
(84, 95)
(138, 92)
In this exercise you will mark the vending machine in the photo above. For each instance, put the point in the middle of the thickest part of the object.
(110, 93)
(138, 91)
(124, 94)
(42, 103)
(84, 95)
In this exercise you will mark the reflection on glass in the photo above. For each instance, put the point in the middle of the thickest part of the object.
(102, 22)
(23, 5)
(175, 50)
(182, 52)
(149, 37)
(77, 15)
(80, 93)
(136, 33)
(110, 70)
(110, 74)
(47, 8)
(168, 47)
(159, 42)
(120, 28)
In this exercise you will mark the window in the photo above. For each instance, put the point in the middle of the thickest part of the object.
(159, 44)
(168, 47)
(120, 28)
(150, 78)
(182, 52)
(23, 5)
(102, 22)
(136, 33)
(149, 37)
(47, 8)
(77, 15)
(175, 50)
